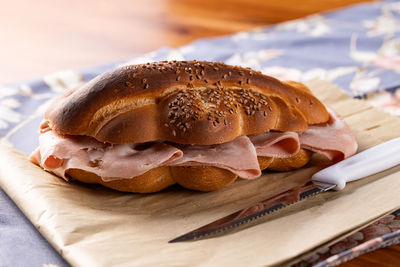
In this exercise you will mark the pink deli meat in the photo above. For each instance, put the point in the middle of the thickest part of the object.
(238, 156)
(333, 139)
(276, 144)
(57, 154)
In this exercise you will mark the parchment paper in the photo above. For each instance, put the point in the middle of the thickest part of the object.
(93, 226)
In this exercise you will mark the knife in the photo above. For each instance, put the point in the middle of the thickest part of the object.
(363, 164)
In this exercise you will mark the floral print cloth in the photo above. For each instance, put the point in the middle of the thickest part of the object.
(357, 48)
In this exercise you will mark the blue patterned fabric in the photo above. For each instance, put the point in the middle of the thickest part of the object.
(357, 48)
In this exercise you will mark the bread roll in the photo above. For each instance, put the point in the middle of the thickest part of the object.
(202, 103)
(186, 102)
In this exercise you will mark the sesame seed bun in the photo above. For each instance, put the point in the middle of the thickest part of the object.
(186, 102)
(192, 102)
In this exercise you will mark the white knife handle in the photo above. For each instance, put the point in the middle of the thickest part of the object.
(363, 164)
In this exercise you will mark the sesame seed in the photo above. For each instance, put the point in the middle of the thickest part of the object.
(144, 80)
(146, 86)
(269, 107)
(247, 80)
(240, 82)
(241, 73)
(225, 76)
(178, 78)
(225, 122)
(214, 123)
(166, 125)
(297, 100)
(252, 113)
(230, 73)
(191, 77)
(311, 102)
(265, 113)
(173, 132)
(202, 72)
(205, 80)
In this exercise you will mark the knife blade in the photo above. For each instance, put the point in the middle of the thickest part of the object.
(363, 164)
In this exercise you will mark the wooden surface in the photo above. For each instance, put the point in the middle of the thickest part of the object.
(39, 37)
(43, 36)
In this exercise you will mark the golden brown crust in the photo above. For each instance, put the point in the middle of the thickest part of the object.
(295, 162)
(200, 178)
(203, 178)
(154, 180)
(264, 162)
(191, 102)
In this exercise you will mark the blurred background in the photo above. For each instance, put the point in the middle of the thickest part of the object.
(43, 36)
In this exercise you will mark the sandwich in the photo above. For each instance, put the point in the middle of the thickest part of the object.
(142, 128)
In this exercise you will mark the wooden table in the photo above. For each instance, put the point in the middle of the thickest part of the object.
(39, 37)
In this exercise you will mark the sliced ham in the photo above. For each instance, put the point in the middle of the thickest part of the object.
(133, 160)
(59, 154)
(110, 162)
(238, 156)
(276, 144)
(333, 139)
